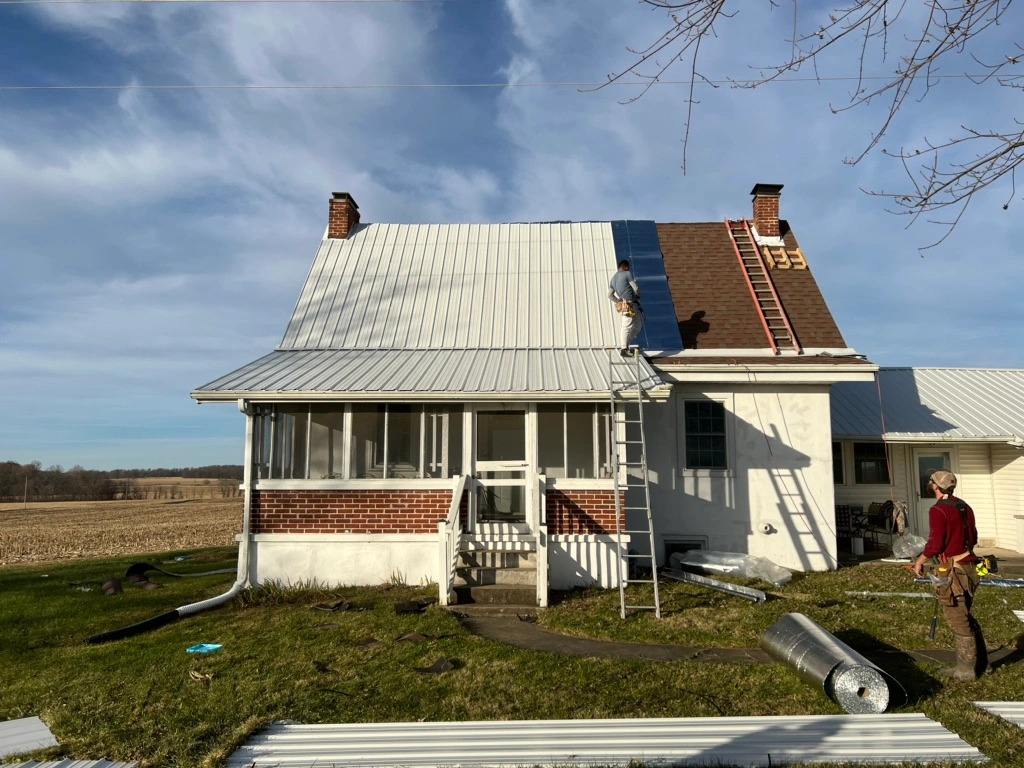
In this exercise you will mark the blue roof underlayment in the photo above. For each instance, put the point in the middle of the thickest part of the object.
(638, 242)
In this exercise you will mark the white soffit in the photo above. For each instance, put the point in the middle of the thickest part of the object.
(449, 286)
(1011, 711)
(461, 373)
(924, 404)
(748, 741)
(25, 735)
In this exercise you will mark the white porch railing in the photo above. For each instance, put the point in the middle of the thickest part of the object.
(449, 533)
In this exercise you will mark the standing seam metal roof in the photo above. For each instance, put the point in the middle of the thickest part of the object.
(579, 372)
(934, 404)
(459, 286)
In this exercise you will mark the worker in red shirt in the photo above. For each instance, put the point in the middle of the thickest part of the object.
(952, 534)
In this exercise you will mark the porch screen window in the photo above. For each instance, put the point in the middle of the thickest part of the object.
(869, 464)
(326, 442)
(705, 434)
(573, 440)
(837, 464)
(419, 441)
(367, 450)
(443, 441)
(288, 454)
(501, 435)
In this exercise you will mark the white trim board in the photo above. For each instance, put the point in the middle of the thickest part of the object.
(748, 741)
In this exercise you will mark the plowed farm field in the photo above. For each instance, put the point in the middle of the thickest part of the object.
(49, 532)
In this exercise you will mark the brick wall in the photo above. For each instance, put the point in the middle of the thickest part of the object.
(349, 511)
(576, 512)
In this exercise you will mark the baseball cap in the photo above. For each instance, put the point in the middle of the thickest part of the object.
(943, 480)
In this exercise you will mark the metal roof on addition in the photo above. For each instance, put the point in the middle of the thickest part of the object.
(527, 373)
(934, 404)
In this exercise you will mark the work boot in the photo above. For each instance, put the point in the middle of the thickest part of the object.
(981, 665)
(966, 659)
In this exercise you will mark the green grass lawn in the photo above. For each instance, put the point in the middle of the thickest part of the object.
(138, 699)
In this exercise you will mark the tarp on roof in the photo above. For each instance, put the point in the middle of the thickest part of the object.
(360, 374)
(933, 405)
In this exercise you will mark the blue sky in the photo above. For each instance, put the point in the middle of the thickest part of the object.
(152, 241)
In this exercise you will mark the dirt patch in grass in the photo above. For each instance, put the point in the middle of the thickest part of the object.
(49, 532)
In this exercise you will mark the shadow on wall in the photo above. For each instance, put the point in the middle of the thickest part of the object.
(767, 482)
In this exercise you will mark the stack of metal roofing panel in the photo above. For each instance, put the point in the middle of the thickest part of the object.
(1011, 711)
(24, 735)
(746, 741)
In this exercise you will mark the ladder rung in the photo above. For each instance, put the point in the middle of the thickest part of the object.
(641, 607)
(634, 554)
(628, 442)
(634, 509)
(645, 533)
(637, 581)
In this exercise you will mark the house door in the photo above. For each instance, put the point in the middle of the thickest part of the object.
(503, 474)
(926, 461)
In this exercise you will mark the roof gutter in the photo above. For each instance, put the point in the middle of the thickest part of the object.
(1012, 440)
(659, 392)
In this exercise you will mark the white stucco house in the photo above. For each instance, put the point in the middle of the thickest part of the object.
(967, 420)
(441, 395)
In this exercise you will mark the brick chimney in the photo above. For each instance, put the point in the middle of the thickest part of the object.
(766, 208)
(343, 216)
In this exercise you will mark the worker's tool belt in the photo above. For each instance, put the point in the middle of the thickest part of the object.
(623, 307)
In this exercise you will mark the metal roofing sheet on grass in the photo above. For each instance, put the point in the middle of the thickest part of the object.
(760, 741)
(1011, 711)
(932, 404)
(456, 372)
(24, 735)
(71, 764)
(452, 286)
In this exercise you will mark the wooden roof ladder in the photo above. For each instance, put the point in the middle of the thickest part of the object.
(762, 289)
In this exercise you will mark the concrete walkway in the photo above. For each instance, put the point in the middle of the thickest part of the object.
(524, 634)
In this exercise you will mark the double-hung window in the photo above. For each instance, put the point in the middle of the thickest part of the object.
(705, 435)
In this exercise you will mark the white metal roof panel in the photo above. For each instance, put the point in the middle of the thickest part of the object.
(1011, 711)
(24, 735)
(451, 372)
(459, 286)
(931, 404)
(747, 741)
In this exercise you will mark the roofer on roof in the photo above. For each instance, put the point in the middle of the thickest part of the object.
(624, 291)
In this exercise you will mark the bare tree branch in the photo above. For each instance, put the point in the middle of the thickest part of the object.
(922, 34)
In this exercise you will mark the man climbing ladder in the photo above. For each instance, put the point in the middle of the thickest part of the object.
(623, 291)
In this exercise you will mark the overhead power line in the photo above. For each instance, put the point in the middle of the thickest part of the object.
(429, 86)
(151, 2)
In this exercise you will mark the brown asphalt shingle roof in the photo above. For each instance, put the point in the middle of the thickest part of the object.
(713, 303)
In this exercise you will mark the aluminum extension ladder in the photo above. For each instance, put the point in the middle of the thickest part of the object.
(629, 468)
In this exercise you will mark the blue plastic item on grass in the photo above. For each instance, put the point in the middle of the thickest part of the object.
(204, 648)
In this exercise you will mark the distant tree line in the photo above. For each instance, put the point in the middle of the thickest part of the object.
(79, 484)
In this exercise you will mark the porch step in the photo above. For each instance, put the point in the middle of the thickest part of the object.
(477, 543)
(501, 576)
(494, 610)
(489, 558)
(497, 594)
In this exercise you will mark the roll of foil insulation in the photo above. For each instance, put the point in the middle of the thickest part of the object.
(846, 677)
